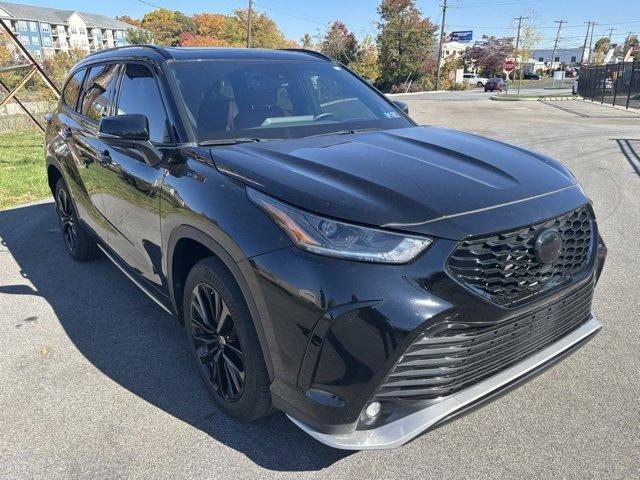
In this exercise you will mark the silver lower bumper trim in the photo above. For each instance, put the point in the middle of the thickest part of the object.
(400, 431)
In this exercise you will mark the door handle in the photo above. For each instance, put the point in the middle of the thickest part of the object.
(105, 157)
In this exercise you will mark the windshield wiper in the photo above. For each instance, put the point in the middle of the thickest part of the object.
(233, 141)
(344, 132)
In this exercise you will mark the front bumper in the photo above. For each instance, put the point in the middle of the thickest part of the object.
(399, 432)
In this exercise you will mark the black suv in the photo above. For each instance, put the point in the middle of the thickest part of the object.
(327, 256)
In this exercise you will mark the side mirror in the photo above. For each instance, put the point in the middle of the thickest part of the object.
(402, 106)
(130, 131)
(124, 129)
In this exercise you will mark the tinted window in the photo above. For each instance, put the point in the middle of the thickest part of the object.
(72, 88)
(139, 94)
(98, 90)
(278, 99)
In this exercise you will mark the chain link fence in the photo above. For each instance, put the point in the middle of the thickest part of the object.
(613, 84)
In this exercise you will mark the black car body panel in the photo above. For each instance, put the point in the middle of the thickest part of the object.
(331, 330)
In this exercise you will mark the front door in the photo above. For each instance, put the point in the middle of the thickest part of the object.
(130, 186)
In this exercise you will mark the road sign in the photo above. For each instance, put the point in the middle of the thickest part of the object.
(509, 65)
(464, 36)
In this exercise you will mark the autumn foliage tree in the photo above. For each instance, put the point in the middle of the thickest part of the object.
(489, 54)
(166, 26)
(406, 41)
(340, 44)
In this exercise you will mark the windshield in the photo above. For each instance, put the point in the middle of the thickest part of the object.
(266, 99)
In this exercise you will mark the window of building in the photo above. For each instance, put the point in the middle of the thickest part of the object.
(46, 41)
(139, 94)
(35, 41)
(72, 88)
(37, 54)
(82, 30)
(73, 30)
(22, 25)
(541, 59)
(573, 59)
(24, 40)
(45, 27)
(557, 59)
(97, 91)
(33, 26)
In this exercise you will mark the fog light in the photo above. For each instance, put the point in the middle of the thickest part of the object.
(373, 409)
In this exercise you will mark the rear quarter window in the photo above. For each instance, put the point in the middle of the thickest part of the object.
(72, 88)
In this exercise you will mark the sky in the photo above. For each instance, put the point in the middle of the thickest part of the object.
(484, 17)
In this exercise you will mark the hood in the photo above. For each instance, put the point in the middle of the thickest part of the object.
(406, 179)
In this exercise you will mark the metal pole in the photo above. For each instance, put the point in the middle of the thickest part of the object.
(249, 24)
(611, 33)
(633, 71)
(21, 84)
(444, 15)
(593, 25)
(584, 46)
(555, 45)
(22, 106)
(520, 18)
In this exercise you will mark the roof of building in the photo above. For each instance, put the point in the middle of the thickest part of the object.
(59, 17)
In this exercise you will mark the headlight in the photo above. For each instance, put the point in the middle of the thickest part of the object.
(332, 238)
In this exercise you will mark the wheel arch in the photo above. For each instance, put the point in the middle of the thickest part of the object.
(184, 239)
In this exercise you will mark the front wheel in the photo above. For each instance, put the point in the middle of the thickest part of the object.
(479, 84)
(223, 342)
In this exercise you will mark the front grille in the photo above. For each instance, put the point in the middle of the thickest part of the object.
(504, 268)
(463, 355)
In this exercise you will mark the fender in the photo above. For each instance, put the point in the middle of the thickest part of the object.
(187, 231)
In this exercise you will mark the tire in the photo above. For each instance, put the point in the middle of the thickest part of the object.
(211, 286)
(80, 245)
(479, 84)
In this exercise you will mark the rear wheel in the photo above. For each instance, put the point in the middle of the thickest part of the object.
(81, 246)
(223, 342)
(479, 84)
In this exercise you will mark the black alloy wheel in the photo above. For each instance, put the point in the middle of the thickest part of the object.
(216, 342)
(66, 215)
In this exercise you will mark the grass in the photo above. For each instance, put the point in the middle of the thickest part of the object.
(22, 173)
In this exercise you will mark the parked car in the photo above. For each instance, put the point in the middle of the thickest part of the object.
(327, 256)
(474, 79)
(495, 84)
(530, 76)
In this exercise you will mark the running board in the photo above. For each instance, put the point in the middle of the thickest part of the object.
(138, 284)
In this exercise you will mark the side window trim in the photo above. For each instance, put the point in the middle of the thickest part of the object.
(118, 91)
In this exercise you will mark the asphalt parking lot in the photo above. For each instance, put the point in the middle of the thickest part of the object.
(95, 381)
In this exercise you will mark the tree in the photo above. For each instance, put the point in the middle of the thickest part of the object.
(166, 26)
(406, 42)
(601, 48)
(529, 37)
(58, 66)
(340, 44)
(307, 42)
(367, 64)
(131, 21)
(191, 40)
(264, 31)
(5, 54)
(139, 36)
(630, 43)
(212, 25)
(489, 54)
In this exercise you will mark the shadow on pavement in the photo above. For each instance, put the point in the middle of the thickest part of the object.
(629, 151)
(132, 341)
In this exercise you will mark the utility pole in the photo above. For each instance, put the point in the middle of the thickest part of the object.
(593, 27)
(611, 33)
(586, 39)
(555, 45)
(444, 14)
(249, 24)
(520, 18)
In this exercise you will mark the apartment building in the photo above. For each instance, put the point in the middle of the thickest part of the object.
(46, 31)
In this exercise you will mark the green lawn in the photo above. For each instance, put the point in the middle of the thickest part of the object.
(22, 173)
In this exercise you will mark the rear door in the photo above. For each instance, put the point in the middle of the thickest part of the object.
(130, 186)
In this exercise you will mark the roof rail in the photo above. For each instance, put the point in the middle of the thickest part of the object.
(162, 51)
(310, 52)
